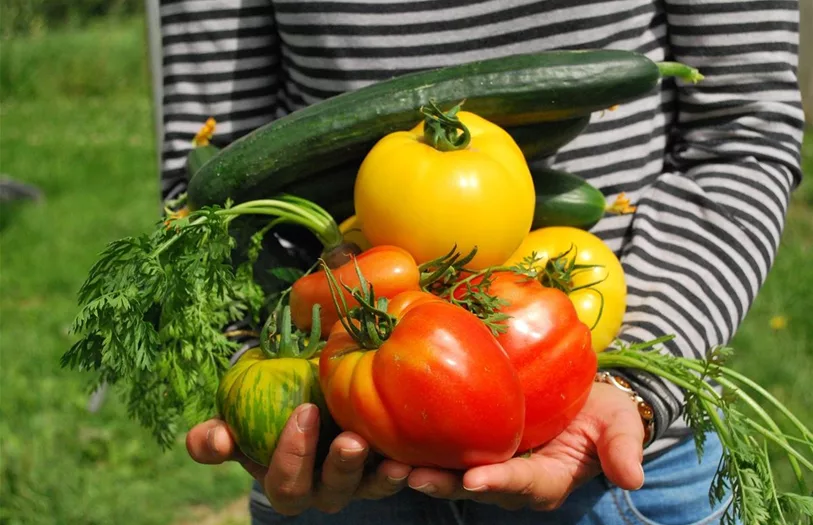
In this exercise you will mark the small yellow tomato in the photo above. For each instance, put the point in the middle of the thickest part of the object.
(608, 274)
(427, 199)
(351, 232)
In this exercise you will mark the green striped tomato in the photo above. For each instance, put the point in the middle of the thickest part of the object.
(257, 395)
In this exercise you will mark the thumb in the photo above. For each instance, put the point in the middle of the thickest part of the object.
(620, 446)
(209, 442)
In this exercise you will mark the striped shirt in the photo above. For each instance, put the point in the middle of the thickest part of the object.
(710, 166)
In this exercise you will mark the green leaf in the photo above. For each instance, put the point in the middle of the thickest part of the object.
(151, 318)
(797, 506)
(286, 274)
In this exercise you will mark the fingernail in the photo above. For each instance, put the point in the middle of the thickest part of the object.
(427, 488)
(479, 488)
(306, 418)
(396, 481)
(643, 479)
(211, 438)
(349, 452)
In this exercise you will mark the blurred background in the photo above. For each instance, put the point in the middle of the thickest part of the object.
(78, 138)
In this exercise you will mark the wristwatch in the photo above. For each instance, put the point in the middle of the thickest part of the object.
(644, 409)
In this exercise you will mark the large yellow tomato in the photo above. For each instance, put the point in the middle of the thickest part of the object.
(427, 200)
(608, 274)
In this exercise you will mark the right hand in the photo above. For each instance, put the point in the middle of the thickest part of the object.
(289, 480)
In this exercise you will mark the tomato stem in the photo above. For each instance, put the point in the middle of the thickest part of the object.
(280, 339)
(368, 324)
(440, 130)
(477, 300)
(440, 271)
(559, 271)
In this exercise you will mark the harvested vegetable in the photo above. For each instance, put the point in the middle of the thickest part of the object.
(391, 269)
(581, 265)
(422, 380)
(563, 199)
(464, 367)
(453, 180)
(548, 86)
(257, 395)
(545, 340)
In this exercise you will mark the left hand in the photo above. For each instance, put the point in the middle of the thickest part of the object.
(607, 436)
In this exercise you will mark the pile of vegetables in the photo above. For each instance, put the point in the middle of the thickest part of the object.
(459, 309)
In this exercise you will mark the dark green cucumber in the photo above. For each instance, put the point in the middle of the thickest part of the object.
(563, 199)
(510, 91)
(324, 188)
(545, 138)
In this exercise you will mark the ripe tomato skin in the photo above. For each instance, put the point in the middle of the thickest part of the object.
(439, 392)
(391, 270)
(589, 249)
(409, 194)
(257, 395)
(551, 350)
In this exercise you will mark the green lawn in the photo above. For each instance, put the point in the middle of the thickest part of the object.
(94, 158)
(77, 122)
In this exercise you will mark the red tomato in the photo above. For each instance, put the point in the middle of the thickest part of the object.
(551, 350)
(391, 270)
(439, 391)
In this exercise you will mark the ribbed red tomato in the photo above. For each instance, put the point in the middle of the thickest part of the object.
(438, 391)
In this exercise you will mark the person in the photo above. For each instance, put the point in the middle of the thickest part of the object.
(709, 167)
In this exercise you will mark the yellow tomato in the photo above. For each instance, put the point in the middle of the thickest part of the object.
(609, 274)
(351, 232)
(410, 194)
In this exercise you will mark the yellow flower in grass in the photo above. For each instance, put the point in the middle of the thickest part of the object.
(778, 322)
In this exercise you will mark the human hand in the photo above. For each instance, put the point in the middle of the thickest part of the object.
(289, 481)
(607, 436)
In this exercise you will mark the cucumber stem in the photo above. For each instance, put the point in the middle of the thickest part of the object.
(440, 129)
(682, 71)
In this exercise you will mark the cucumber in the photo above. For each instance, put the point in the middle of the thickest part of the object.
(545, 138)
(563, 199)
(535, 141)
(509, 91)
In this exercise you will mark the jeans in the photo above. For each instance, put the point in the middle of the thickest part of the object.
(675, 493)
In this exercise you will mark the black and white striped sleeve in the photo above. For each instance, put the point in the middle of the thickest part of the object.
(220, 59)
(705, 234)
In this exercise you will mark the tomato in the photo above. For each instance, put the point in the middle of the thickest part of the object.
(438, 392)
(410, 194)
(257, 395)
(390, 269)
(351, 232)
(605, 322)
(550, 348)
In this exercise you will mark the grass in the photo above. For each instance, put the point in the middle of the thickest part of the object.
(94, 158)
(77, 122)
